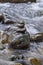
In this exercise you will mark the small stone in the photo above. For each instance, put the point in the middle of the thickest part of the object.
(21, 22)
(13, 57)
(21, 42)
(37, 37)
(20, 25)
(22, 30)
(9, 22)
(1, 48)
(18, 64)
(22, 57)
(1, 18)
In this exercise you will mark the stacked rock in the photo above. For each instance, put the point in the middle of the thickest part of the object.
(21, 28)
(21, 38)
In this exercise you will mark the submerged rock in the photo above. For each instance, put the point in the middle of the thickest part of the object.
(21, 39)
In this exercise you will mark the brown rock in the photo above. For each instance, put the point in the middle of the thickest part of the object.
(9, 22)
(36, 37)
(5, 38)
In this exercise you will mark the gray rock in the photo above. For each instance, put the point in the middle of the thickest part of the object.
(1, 18)
(20, 42)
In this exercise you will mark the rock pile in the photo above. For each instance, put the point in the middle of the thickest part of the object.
(21, 38)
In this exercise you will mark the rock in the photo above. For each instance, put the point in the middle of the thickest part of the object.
(20, 57)
(2, 47)
(21, 39)
(21, 22)
(8, 22)
(21, 27)
(5, 38)
(21, 42)
(34, 61)
(18, 64)
(37, 37)
(1, 18)
(13, 57)
(21, 30)
(18, 1)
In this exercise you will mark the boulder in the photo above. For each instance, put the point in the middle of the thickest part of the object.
(21, 38)
(20, 42)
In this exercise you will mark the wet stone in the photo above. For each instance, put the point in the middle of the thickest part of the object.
(37, 37)
(21, 30)
(2, 47)
(13, 57)
(5, 38)
(8, 22)
(2, 18)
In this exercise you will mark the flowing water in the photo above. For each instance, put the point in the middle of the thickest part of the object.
(32, 14)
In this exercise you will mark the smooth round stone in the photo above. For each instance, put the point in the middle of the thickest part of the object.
(21, 30)
(2, 48)
(9, 22)
(20, 25)
(21, 22)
